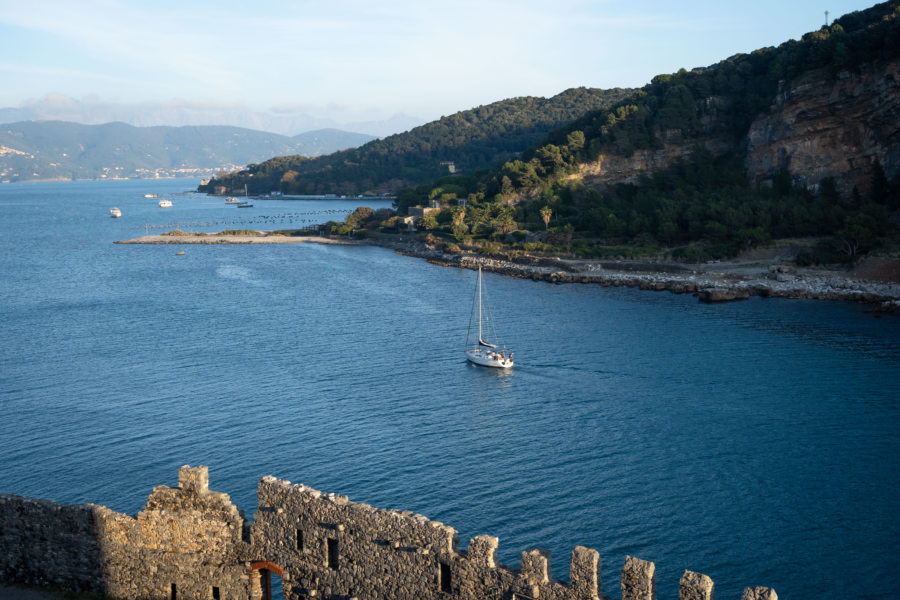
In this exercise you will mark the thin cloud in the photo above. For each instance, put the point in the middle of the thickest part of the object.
(403, 55)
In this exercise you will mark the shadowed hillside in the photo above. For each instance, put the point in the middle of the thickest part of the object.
(473, 139)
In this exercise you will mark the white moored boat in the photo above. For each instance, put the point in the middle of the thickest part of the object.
(165, 203)
(482, 352)
(114, 212)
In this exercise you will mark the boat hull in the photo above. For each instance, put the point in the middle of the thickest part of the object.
(488, 359)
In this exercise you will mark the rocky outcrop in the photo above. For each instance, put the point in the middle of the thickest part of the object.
(830, 126)
(823, 125)
(722, 294)
(610, 169)
(726, 283)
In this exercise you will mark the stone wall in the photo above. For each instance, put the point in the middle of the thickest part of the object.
(190, 543)
(330, 547)
(186, 537)
(46, 543)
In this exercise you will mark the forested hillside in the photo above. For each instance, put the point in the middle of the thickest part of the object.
(473, 139)
(667, 167)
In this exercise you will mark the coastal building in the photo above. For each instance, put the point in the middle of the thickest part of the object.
(422, 211)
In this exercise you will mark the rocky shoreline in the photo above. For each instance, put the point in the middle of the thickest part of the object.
(774, 282)
(714, 282)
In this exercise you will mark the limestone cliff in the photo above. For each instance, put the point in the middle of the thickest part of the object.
(609, 169)
(830, 126)
(821, 125)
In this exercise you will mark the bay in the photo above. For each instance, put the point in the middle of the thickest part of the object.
(755, 442)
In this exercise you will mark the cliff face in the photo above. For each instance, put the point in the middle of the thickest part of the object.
(610, 169)
(820, 126)
(824, 126)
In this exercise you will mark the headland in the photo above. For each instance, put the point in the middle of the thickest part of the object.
(768, 273)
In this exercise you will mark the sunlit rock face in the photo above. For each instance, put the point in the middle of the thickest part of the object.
(830, 126)
(822, 125)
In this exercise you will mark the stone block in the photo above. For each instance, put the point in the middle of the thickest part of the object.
(194, 479)
(695, 586)
(759, 593)
(584, 574)
(536, 566)
(482, 551)
(638, 579)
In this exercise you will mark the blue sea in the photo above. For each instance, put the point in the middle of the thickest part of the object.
(756, 442)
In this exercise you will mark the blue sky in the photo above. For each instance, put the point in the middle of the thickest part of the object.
(365, 59)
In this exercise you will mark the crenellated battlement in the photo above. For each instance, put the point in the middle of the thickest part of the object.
(189, 542)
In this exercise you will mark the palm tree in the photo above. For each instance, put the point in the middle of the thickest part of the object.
(545, 215)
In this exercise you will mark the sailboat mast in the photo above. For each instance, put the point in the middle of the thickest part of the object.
(479, 305)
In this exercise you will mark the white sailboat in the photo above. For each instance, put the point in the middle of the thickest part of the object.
(482, 352)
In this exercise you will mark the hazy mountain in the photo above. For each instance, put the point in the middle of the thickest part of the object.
(61, 150)
(285, 121)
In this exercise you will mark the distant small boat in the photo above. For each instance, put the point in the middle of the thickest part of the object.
(482, 352)
(179, 253)
(244, 203)
(151, 195)
(165, 203)
(115, 213)
(232, 200)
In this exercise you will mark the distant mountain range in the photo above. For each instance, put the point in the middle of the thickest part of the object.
(40, 150)
(285, 120)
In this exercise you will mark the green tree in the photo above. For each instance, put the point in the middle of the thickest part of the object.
(546, 213)
(458, 215)
(460, 231)
(880, 190)
(575, 142)
(359, 217)
(857, 235)
(428, 223)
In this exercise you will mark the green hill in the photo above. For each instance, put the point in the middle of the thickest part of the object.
(58, 149)
(473, 139)
(798, 140)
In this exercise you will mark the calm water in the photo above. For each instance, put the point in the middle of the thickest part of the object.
(756, 442)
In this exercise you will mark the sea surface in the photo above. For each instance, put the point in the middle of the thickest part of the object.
(756, 442)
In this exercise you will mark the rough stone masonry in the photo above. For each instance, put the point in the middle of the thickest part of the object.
(190, 543)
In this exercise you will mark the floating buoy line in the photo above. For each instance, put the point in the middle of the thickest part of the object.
(272, 221)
